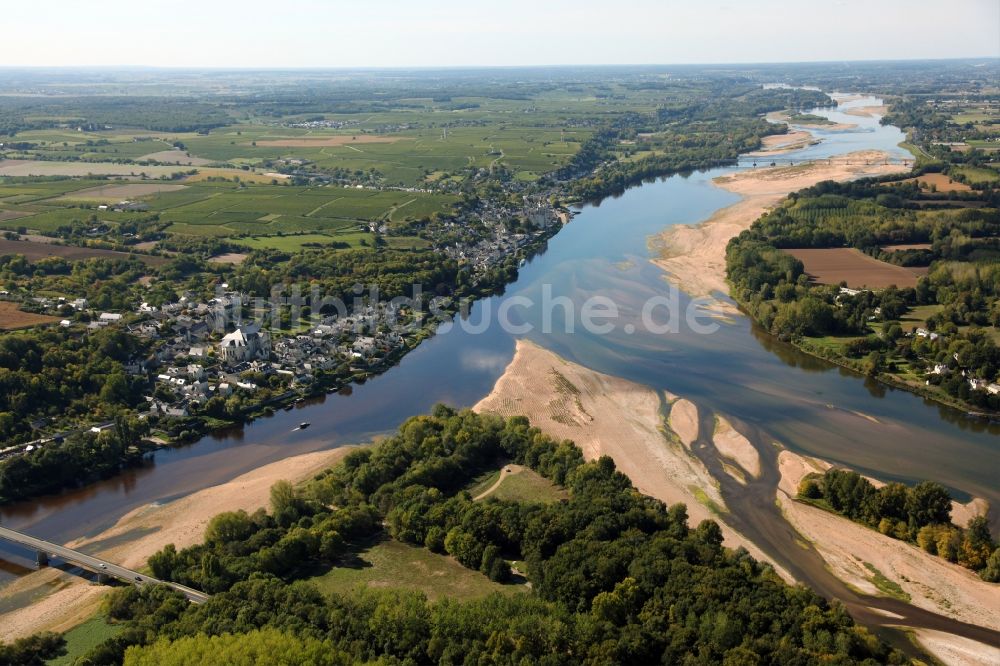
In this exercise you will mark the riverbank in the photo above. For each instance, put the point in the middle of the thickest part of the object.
(633, 424)
(60, 601)
(873, 563)
(695, 256)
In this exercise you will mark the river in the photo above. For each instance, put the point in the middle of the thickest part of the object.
(807, 404)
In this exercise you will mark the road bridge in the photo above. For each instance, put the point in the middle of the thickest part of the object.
(44, 550)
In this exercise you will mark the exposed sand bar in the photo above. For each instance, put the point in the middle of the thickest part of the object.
(610, 416)
(932, 582)
(695, 256)
(957, 651)
(70, 600)
(731, 444)
(776, 144)
(868, 111)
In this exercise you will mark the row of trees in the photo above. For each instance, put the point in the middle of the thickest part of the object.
(617, 577)
(919, 514)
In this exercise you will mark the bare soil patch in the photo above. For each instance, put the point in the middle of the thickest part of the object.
(847, 264)
(44, 168)
(940, 181)
(8, 214)
(12, 318)
(233, 258)
(906, 246)
(34, 251)
(176, 157)
(115, 193)
(326, 141)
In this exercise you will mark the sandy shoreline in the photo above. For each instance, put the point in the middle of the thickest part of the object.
(611, 416)
(67, 600)
(695, 256)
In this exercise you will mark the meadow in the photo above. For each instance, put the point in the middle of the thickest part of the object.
(386, 562)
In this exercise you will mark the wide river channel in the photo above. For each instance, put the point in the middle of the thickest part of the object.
(780, 394)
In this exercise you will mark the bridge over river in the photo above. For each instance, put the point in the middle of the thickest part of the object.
(44, 550)
(768, 161)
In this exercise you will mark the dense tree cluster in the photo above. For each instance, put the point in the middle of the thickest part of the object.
(32, 651)
(919, 514)
(617, 576)
(57, 465)
(57, 372)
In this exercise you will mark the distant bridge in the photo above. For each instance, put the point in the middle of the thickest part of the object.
(104, 570)
(768, 161)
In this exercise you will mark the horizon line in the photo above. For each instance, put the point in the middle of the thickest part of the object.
(259, 68)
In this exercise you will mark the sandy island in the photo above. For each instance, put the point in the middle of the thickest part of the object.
(610, 416)
(695, 256)
(868, 111)
(737, 448)
(776, 144)
(783, 117)
(932, 582)
(67, 600)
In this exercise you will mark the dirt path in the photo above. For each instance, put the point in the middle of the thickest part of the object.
(504, 473)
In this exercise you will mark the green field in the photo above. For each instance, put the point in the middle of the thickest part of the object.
(391, 564)
(82, 638)
(521, 485)
(976, 175)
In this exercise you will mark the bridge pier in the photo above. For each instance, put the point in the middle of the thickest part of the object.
(103, 579)
(42, 558)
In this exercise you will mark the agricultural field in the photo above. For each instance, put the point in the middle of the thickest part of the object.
(83, 169)
(858, 270)
(937, 182)
(390, 563)
(12, 318)
(214, 208)
(977, 175)
(33, 251)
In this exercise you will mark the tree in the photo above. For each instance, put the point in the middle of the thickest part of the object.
(928, 503)
(228, 527)
(977, 544)
(284, 503)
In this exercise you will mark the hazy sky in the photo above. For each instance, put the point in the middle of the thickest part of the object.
(312, 33)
